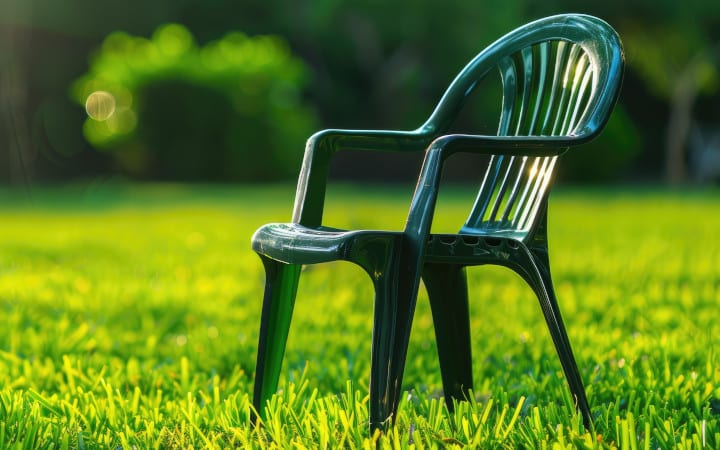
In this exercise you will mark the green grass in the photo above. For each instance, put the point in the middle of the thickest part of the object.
(130, 319)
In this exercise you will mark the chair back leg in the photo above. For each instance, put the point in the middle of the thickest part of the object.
(535, 269)
(281, 283)
(446, 285)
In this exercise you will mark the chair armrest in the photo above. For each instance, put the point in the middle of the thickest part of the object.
(507, 145)
(320, 147)
(374, 140)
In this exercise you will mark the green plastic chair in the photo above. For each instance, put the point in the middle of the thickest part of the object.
(560, 80)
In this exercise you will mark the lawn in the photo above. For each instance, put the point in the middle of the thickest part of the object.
(130, 317)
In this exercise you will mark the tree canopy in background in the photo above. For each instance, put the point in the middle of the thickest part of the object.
(367, 64)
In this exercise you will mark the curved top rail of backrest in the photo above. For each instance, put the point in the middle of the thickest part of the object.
(598, 40)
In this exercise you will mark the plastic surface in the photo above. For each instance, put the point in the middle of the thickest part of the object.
(560, 79)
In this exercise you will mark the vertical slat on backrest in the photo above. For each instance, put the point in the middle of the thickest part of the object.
(525, 61)
(581, 83)
(541, 179)
(526, 189)
(576, 71)
(500, 190)
(542, 55)
(555, 86)
(563, 107)
(536, 177)
(487, 188)
(508, 72)
(510, 206)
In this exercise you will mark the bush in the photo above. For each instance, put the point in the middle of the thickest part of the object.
(166, 108)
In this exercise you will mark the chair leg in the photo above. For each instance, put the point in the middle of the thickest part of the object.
(447, 289)
(537, 273)
(281, 282)
(395, 300)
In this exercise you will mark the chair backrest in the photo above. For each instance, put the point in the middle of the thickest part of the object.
(561, 77)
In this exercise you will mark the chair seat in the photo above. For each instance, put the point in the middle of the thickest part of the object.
(293, 243)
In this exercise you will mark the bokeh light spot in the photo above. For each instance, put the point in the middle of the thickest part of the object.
(100, 105)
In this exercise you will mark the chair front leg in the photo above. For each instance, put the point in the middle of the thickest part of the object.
(281, 282)
(446, 285)
(395, 276)
(393, 314)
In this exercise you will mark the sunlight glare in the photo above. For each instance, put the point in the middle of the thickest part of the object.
(100, 105)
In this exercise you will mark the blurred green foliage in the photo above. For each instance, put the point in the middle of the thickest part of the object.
(609, 156)
(369, 64)
(663, 54)
(170, 109)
